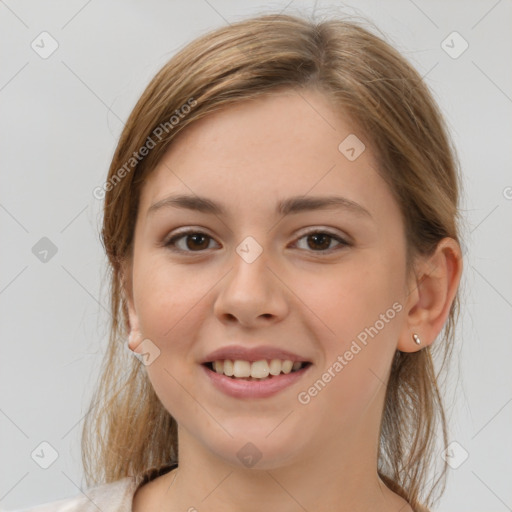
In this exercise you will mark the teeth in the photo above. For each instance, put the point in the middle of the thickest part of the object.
(296, 365)
(257, 370)
(228, 368)
(287, 366)
(241, 369)
(275, 367)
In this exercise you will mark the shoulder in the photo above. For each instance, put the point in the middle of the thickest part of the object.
(112, 497)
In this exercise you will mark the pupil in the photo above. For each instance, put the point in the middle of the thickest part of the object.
(195, 237)
(322, 237)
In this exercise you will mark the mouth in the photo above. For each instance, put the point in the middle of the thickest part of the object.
(250, 380)
(258, 371)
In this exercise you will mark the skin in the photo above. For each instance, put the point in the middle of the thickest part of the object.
(248, 157)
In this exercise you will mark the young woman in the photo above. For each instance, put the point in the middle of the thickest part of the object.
(281, 220)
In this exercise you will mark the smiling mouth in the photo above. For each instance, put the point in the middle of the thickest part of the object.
(256, 371)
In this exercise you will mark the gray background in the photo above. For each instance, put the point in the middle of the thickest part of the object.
(61, 118)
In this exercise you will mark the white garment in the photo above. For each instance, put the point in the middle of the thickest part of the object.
(113, 497)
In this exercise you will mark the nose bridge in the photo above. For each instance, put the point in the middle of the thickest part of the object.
(250, 289)
(250, 275)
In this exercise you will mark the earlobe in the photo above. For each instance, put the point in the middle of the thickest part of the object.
(135, 334)
(431, 295)
(133, 327)
(134, 340)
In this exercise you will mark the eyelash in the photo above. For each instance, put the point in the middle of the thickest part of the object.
(171, 243)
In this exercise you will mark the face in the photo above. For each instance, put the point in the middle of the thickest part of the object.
(326, 284)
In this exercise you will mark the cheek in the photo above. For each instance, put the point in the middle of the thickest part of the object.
(359, 305)
(170, 305)
(168, 299)
(350, 297)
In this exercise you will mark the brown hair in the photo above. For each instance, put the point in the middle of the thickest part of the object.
(127, 430)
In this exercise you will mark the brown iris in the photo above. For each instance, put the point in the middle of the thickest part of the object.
(320, 237)
(197, 237)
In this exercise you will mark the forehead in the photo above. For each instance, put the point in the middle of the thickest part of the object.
(260, 151)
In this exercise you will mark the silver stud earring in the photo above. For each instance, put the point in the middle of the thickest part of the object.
(416, 339)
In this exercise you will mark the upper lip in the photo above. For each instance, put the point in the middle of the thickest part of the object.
(239, 352)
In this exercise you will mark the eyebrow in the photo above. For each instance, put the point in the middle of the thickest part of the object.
(287, 206)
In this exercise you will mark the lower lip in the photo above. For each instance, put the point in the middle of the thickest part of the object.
(240, 388)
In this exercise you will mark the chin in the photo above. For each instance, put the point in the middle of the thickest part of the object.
(258, 451)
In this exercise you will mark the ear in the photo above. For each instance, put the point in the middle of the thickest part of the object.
(133, 319)
(432, 289)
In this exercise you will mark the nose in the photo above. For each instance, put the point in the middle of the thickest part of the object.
(251, 294)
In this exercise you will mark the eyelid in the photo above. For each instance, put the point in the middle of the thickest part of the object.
(180, 233)
(343, 241)
(321, 229)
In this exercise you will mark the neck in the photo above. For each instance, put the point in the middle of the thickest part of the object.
(344, 481)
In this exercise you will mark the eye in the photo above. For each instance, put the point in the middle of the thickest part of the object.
(320, 241)
(195, 241)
